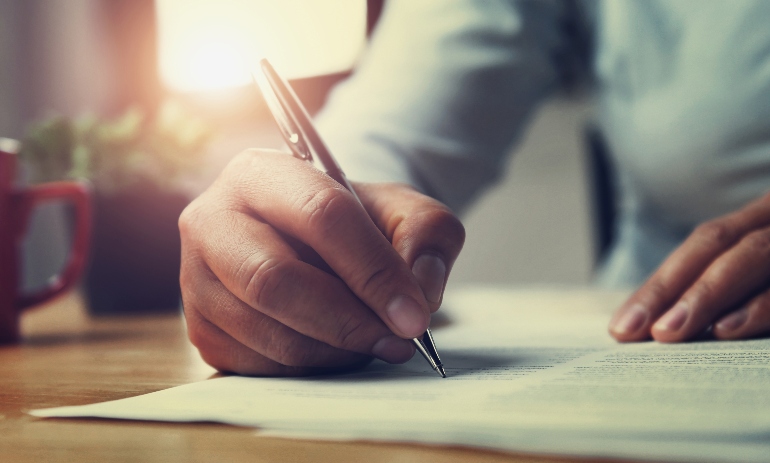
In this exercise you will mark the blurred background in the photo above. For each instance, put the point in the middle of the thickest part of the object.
(111, 69)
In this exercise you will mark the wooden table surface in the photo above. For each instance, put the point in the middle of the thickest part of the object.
(68, 358)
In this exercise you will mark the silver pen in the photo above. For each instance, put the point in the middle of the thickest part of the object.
(305, 143)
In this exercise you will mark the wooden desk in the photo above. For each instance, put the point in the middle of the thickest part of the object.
(69, 359)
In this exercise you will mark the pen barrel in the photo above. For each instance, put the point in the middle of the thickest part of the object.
(291, 116)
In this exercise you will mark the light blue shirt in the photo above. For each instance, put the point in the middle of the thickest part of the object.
(446, 89)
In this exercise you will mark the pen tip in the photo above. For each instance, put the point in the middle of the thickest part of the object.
(440, 370)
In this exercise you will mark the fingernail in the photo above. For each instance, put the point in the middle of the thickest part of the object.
(674, 318)
(733, 321)
(430, 271)
(407, 315)
(393, 349)
(631, 321)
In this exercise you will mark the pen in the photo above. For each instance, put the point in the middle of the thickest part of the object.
(305, 143)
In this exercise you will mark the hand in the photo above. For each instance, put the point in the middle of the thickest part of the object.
(719, 276)
(255, 305)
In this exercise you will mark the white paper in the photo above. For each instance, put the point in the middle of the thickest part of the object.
(529, 371)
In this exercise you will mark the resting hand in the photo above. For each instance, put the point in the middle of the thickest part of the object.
(255, 305)
(720, 277)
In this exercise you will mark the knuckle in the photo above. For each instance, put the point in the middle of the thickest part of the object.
(325, 209)
(716, 233)
(238, 174)
(378, 276)
(198, 335)
(243, 161)
(451, 229)
(655, 289)
(443, 219)
(437, 226)
(758, 241)
(720, 270)
(703, 290)
(291, 352)
(267, 282)
(198, 217)
(188, 218)
(348, 332)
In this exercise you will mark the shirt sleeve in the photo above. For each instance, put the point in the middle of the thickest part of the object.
(443, 92)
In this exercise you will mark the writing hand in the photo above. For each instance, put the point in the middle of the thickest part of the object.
(719, 276)
(255, 305)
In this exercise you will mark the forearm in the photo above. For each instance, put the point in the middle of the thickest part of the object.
(443, 92)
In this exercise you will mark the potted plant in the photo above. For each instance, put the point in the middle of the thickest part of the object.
(137, 165)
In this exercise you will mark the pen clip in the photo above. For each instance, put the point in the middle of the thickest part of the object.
(282, 116)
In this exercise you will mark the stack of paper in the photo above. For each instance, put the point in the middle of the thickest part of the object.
(526, 371)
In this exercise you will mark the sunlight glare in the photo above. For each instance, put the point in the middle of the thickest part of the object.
(210, 44)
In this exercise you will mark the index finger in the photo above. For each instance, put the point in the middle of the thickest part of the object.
(294, 197)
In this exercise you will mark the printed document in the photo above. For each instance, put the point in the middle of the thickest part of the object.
(530, 371)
